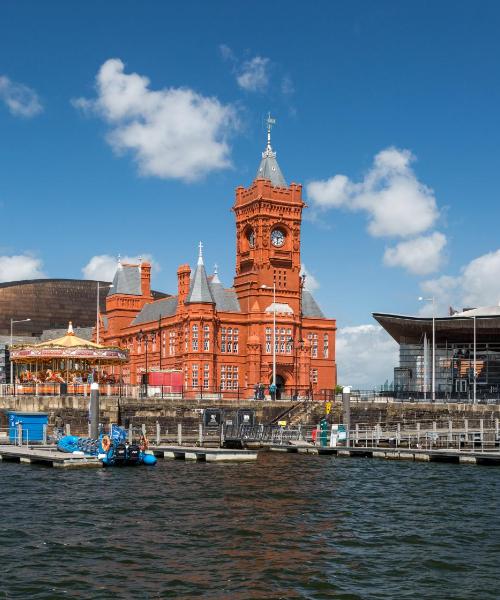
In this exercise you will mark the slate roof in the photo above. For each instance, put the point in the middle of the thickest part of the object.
(127, 280)
(166, 307)
(310, 307)
(226, 300)
(269, 169)
(199, 290)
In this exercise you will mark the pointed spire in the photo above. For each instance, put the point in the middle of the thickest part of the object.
(199, 290)
(200, 253)
(215, 277)
(269, 168)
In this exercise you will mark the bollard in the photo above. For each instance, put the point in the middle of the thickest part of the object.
(357, 433)
(222, 435)
(67, 429)
(44, 434)
(418, 433)
(466, 427)
(94, 410)
(89, 428)
(450, 432)
(200, 433)
(179, 434)
(398, 434)
(158, 432)
(19, 434)
(434, 431)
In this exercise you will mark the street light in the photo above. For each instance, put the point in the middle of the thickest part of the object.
(274, 333)
(12, 321)
(146, 338)
(432, 299)
(98, 311)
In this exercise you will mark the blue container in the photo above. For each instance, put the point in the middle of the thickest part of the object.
(31, 423)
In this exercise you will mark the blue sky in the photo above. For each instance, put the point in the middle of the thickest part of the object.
(400, 98)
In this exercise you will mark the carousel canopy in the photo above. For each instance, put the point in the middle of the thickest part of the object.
(68, 346)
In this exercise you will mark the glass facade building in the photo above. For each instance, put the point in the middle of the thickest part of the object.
(467, 343)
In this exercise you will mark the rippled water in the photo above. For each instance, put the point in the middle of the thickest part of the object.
(290, 526)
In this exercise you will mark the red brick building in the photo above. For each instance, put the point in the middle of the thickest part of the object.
(221, 338)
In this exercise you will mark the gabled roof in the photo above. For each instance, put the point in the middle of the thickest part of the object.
(127, 281)
(166, 307)
(310, 307)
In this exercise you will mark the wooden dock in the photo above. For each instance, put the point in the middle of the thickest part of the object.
(204, 454)
(435, 455)
(47, 456)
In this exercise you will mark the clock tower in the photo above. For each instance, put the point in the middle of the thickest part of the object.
(268, 220)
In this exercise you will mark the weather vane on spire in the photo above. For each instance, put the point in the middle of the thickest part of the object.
(270, 122)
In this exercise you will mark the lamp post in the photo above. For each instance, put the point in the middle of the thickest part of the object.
(432, 299)
(97, 329)
(12, 321)
(274, 334)
(145, 337)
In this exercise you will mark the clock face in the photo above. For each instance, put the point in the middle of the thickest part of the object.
(277, 238)
(251, 238)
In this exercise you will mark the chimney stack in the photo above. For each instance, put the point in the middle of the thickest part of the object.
(183, 282)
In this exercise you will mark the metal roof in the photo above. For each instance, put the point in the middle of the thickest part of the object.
(407, 329)
(269, 169)
(226, 300)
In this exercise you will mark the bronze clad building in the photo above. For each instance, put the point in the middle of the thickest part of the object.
(49, 303)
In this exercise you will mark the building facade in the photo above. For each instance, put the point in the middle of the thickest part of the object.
(466, 352)
(222, 338)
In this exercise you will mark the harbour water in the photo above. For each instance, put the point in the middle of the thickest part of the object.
(288, 526)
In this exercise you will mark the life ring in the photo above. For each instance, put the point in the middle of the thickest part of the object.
(106, 443)
(144, 443)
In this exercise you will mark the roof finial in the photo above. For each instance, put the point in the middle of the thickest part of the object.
(216, 269)
(200, 255)
(119, 261)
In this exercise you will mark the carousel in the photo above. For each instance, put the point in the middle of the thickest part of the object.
(68, 364)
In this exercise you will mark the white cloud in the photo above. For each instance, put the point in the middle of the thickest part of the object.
(478, 284)
(420, 256)
(173, 133)
(21, 100)
(396, 202)
(103, 266)
(366, 356)
(21, 266)
(311, 283)
(254, 74)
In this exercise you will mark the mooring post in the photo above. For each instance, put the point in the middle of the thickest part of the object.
(200, 433)
(496, 428)
(158, 431)
(44, 434)
(450, 432)
(179, 434)
(398, 434)
(19, 434)
(346, 412)
(94, 410)
(418, 433)
(466, 428)
(357, 433)
(434, 432)
(481, 429)
(67, 428)
(222, 435)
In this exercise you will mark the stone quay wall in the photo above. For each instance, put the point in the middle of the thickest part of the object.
(169, 412)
